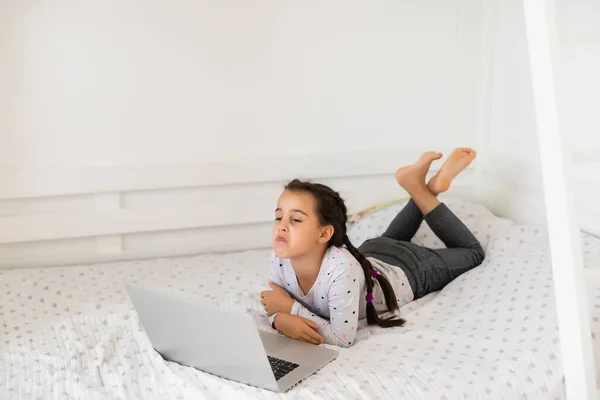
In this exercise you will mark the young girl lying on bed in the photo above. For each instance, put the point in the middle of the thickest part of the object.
(322, 285)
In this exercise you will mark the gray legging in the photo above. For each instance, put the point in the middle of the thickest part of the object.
(427, 270)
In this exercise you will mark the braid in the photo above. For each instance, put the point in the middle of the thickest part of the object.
(386, 288)
(332, 211)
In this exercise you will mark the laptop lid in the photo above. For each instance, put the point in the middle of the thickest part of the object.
(212, 339)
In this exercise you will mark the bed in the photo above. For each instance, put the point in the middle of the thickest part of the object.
(72, 333)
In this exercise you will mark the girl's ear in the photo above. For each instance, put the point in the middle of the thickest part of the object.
(326, 234)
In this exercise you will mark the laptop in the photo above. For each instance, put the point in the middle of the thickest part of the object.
(223, 342)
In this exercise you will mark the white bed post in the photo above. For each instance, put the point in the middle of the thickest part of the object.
(565, 240)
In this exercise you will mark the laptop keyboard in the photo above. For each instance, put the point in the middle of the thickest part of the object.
(281, 367)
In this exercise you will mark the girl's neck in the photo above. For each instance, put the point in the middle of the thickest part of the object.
(309, 264)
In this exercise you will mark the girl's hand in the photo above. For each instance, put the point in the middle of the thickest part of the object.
(276, 300)
(299, 328)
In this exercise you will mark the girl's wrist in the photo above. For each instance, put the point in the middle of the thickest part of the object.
(275, 321)
(289, 306)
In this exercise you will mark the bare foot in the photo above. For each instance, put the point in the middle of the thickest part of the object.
(458, 160)
(414, 175)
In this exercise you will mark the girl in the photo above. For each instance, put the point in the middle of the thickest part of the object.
(322, 285)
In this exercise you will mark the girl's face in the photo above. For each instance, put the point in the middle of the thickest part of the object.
(297, 230)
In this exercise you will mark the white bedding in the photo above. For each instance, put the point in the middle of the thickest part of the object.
(71, 333)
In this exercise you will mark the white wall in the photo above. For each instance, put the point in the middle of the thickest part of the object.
(512, 159)
(98, 84)
(137, 132)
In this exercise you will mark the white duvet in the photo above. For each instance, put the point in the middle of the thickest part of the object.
(72, 333)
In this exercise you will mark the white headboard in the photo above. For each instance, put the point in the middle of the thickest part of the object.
(154, 212)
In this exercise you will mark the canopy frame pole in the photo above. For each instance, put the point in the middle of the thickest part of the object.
(565, 240)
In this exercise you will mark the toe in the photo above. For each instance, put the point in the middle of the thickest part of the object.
(433, 155)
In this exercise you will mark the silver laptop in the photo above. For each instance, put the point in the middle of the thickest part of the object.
(224, 342)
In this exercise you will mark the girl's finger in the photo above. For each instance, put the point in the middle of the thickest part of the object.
(314, 335)
(310, 323)
(305, 337)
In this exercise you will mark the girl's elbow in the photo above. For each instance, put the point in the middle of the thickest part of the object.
(345, 342)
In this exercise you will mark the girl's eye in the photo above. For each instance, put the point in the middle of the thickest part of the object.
(296, 220)
(277, 219)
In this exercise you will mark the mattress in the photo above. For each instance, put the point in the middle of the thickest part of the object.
(72, 332)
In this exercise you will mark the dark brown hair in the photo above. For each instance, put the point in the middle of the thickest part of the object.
(331, 210)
